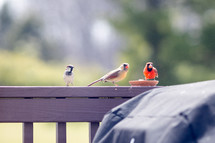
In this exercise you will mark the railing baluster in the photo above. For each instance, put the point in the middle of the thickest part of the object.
(27, 105)
(28, 132)
(93, 126)
(61, 132)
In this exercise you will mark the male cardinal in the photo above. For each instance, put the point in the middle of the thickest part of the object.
(149, 71)
(68, 75)
(114, 75)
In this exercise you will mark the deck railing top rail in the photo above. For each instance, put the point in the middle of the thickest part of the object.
(28, 104)
(78, 91)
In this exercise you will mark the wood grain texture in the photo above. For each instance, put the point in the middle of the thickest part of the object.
(27, 132)
(61, 132)
(93, 127)
(56, 110)
(61, 105)
(61, 91)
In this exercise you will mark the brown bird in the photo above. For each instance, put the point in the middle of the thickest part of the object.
(149, 71)
(114, 75)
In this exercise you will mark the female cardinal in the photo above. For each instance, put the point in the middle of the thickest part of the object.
(68, 75)
(115, 75)
(149, 71)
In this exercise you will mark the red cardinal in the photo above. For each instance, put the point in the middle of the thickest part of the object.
(149, 71)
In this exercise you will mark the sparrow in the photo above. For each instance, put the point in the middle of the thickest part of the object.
(68, 75)
(114, 75)
(149, 71)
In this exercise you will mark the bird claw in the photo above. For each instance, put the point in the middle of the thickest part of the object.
(115, 84)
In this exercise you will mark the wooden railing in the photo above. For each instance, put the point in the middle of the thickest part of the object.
(61, 104)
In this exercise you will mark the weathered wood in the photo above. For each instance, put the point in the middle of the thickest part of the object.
(27, 132)
(60, 91)
(93, 127)
(61, 132)
(56, 110)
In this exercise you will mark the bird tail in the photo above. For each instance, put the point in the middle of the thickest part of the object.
(95, 82)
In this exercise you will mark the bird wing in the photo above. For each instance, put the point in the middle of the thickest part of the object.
(111, 75)
(156, 72)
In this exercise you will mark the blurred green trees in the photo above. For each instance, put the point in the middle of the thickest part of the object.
(28, 58)
(21, 46)
(177, 36)
(24, 70)
(180, 55)
(25, 35)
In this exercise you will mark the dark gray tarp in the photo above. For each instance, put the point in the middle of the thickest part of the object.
(172, 114)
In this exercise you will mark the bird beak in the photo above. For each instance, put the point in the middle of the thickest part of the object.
(127, 67)
(150, 66)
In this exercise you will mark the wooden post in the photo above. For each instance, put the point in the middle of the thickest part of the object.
(93, 127)
(61, 132)
(28, 132)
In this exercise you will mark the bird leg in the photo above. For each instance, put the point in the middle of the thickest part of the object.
(114, 83)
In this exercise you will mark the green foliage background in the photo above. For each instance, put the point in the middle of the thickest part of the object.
(27, 58)
(21, 69)
(44, 133)
(180, 55)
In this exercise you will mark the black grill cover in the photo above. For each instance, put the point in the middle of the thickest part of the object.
(172, 114)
